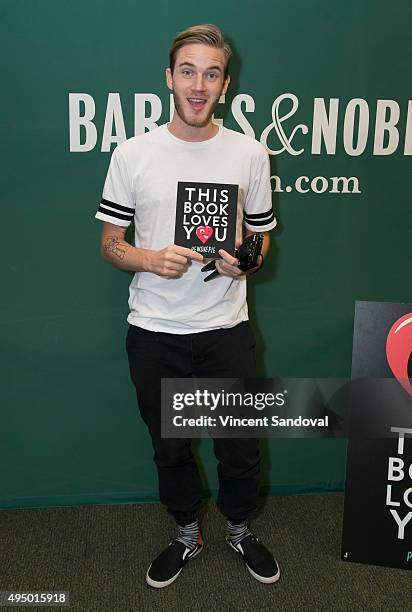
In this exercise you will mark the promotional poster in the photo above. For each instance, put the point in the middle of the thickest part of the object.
(377, 525)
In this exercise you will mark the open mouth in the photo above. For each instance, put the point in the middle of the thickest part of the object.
(197, 103)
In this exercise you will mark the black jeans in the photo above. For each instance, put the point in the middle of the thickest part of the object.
(221, 353)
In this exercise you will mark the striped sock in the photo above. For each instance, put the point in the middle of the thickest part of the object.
(189, 534)
(237, 531)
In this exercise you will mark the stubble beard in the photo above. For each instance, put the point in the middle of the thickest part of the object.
(194, 122)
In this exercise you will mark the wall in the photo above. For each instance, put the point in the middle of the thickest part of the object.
(70, 431)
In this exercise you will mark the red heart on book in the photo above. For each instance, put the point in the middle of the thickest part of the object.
(399, 349)
(204, 232)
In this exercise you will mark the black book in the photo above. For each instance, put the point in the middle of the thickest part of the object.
(206, 217)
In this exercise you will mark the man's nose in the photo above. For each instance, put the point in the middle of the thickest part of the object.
(198, 84)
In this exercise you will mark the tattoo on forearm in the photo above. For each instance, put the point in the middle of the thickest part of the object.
(113, 245)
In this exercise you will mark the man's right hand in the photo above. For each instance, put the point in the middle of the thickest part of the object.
(172, 261)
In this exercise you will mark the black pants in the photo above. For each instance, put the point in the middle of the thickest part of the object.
(221, 353)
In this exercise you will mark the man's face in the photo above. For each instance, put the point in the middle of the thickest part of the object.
(197, 83)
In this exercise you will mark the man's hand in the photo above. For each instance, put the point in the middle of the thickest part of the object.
(228, 264)
(172, 261)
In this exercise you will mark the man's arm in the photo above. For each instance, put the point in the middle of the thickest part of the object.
(170, 262)
(228, 264)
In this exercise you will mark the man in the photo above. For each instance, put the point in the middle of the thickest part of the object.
(179, 325)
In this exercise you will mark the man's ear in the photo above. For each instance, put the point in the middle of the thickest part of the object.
(169, 78)
(225, 85)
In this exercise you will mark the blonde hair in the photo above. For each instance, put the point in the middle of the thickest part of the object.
(205, 34)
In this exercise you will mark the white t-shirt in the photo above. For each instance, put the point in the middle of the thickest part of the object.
(141, 185)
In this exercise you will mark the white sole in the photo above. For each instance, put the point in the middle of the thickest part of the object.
(160, 585)
(263, 579)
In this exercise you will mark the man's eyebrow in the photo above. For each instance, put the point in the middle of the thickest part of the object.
(193, 66)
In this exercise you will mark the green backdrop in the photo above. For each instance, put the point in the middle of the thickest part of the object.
(70, 431)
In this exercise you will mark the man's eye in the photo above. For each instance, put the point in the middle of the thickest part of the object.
(187, 72)
(212, 76)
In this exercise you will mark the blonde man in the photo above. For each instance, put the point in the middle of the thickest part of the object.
(180, 326)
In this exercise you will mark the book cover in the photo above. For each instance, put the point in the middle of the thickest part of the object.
(206, 217)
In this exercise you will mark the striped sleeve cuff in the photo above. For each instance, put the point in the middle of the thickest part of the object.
(116, 212)
(258, 220)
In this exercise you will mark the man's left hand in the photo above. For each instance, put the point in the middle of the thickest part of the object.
(228, 264)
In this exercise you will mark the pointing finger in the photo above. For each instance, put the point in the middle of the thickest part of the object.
(188, 253)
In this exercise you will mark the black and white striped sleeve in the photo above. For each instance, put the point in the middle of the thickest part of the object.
(117, 205)
(258, 214)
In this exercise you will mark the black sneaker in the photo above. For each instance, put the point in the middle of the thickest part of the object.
(259, 561)
(168, 565)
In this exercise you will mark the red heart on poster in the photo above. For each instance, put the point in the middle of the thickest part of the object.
(399, 349)
(204, 232)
